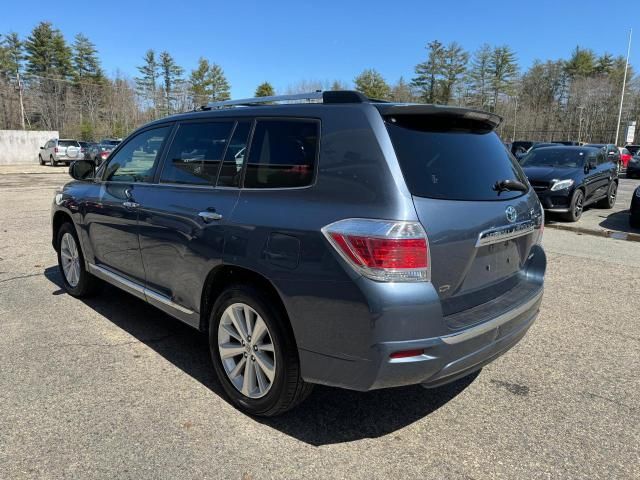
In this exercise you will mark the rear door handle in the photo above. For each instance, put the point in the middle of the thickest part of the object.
(209, 216)
(130, 204)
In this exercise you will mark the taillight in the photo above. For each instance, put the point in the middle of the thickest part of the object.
(540, 226)
(104, 154)
(383, 250)
(55, 150)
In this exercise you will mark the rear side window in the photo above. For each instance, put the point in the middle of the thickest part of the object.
(196, 152)
(283, 154)
(451, 158)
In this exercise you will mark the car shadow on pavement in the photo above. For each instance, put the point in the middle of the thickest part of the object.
(619, 221)
(328, 416)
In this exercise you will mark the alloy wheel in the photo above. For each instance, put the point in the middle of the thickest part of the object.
(246, 350)
(577, 210)
(70, 258)
(613, 191)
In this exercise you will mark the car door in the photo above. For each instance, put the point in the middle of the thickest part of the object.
(111, 222)
(183, 218)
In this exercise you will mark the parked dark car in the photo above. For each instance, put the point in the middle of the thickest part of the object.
(100, 152)
(567, 179)
(633, 167)
(521, 151)
(611, 151)
(633, 149)
(634, 218)
(351, 243)
(625, 156)
(85, 149)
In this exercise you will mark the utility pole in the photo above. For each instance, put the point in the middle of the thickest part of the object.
(21, 101)
(515, 120)
(624, 84)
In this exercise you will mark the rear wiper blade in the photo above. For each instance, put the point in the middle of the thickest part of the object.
(509, 185)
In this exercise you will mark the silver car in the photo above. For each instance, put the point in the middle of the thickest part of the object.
(60, 151)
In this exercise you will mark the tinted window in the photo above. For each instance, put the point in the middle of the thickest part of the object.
(601, 158)
(68, 143)
(234, 158)
(196, 152)
(282, 155)
(136, 161)
(556, 157)
(451, 158)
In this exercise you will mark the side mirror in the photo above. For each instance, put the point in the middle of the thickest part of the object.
(41, 148)
(82, 170)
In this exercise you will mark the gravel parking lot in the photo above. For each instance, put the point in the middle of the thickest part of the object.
(112, 388)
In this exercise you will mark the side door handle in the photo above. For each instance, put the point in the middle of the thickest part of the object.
(209, 216)
(130, 204)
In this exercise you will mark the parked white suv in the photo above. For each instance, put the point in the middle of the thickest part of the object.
(60, 150)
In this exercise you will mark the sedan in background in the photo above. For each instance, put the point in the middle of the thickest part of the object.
(633, 149)
(567, 179)
(625, 156)
(100, 152)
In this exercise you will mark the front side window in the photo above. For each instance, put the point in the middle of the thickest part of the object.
(136, 161)
(196, 152)
(283, 154)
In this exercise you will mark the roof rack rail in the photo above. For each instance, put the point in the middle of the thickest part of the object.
(334, 96)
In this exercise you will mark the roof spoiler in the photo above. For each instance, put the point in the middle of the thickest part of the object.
(491, 119)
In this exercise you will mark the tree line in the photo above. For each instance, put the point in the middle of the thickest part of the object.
(49, 83)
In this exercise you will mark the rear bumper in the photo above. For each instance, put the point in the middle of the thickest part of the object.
(450, 357)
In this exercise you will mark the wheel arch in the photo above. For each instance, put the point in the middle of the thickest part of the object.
(59, 218)
(222, 276)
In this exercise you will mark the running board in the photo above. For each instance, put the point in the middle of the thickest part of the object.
(156, 299)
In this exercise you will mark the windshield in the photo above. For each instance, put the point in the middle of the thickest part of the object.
(556, 157)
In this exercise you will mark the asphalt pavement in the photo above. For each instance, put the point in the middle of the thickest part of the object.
(113, 388)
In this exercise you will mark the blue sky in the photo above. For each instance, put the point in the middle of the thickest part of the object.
(287, 41)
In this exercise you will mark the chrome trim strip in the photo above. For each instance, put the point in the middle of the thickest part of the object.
(491, 324)
(166, 301)
(108, 275)
(559, 210)
(508, 232)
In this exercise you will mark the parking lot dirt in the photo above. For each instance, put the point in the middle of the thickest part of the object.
(112, 388)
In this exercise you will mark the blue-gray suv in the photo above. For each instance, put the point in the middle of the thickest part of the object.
(321, 238)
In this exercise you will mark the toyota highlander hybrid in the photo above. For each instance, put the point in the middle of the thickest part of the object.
(334, 240)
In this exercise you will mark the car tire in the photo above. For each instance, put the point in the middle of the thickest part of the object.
(634, 221)
(77, 281)
(576, 207)
(40, 160)
(267, 391)
(610, 200)
(53, 161)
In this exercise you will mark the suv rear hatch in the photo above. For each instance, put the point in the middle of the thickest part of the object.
(68, 148)
(480, 235)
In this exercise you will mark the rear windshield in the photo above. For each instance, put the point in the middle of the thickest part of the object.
(452, 158)
(68, 143)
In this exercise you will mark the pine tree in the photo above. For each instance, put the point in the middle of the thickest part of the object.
(427, 73)
(11, 55)
(86, 64)
(372, 85)
(265, 89)
(604, 64)
(582, 63)
(454, 64)
(504, 70)
(171, 76)
(218, 84)
(479, 76)
(338, 85)
(47, 52)
(198, 83)
(147, 83)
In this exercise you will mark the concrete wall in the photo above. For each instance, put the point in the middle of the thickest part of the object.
(22, 146)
